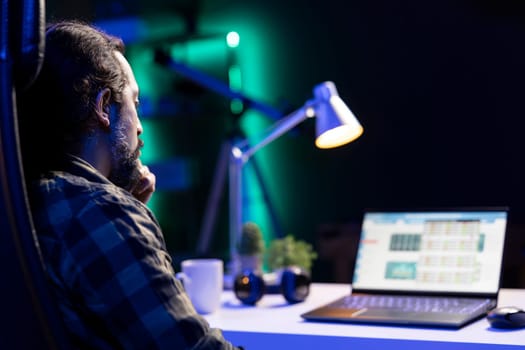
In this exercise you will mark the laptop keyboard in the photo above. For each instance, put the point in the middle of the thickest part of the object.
(414, 304)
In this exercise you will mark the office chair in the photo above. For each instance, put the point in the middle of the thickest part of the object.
(29, 317)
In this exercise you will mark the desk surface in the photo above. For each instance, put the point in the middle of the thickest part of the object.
(273, 324)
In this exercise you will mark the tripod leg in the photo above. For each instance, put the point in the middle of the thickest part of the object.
(212, 205)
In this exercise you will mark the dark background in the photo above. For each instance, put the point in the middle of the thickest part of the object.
(438, 86)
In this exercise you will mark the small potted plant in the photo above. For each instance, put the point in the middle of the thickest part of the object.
(251, 248)
(289, 252)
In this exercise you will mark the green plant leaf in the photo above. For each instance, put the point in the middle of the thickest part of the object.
(288, 251)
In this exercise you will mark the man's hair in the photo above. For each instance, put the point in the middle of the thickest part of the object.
(57, 111)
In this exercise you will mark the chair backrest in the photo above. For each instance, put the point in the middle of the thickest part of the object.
(28, 315)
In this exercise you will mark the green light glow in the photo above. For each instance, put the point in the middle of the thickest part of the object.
(254, 62)
(152, 152)
(202, 54)
(153, 144)
(235, 77)
(233, 39)
(141, 60)
(236, 106)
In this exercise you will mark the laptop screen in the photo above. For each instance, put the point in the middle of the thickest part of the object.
(431, 251)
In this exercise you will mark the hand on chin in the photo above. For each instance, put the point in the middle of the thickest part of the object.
(145, 186)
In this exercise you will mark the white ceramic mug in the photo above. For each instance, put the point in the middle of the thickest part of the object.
(203, 281)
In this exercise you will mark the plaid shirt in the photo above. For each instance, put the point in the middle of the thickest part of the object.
(107, 261)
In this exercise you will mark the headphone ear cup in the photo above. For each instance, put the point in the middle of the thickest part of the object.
(295, 285)
(249, 287)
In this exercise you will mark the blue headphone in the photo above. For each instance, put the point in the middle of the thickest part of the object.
(249, 287)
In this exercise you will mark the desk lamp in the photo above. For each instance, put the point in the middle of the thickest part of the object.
(336, 125)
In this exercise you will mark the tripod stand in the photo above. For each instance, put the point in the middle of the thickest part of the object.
(221, 170)
(217, 190)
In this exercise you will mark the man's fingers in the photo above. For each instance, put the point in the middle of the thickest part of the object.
(146, 185)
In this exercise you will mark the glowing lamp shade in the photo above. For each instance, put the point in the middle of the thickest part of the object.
(336, 125)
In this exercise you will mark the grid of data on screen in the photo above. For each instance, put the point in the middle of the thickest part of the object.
(438, 251)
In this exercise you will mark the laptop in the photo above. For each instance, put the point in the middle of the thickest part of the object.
(437, 268)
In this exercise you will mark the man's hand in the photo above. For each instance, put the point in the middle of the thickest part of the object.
(144, 189)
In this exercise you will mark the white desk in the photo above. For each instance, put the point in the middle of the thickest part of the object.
(273, 325)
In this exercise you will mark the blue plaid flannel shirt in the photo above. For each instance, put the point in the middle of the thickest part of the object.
(107, 261)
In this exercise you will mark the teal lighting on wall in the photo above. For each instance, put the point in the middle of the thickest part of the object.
(235, 77)
(235, 82)
(236, 106)
(254, 62)
(162, 118)
(250, 71)
(205, 54)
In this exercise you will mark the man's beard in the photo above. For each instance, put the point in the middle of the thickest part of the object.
(125, 171)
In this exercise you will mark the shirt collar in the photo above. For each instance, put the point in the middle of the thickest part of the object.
(78, 166)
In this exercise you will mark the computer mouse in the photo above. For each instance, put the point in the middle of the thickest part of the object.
(506, 317)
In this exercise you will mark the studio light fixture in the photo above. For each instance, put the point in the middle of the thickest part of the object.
(336, 125)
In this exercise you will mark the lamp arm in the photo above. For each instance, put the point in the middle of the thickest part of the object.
(276, 130)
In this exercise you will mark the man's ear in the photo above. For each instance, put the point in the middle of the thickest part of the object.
(102, 107)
